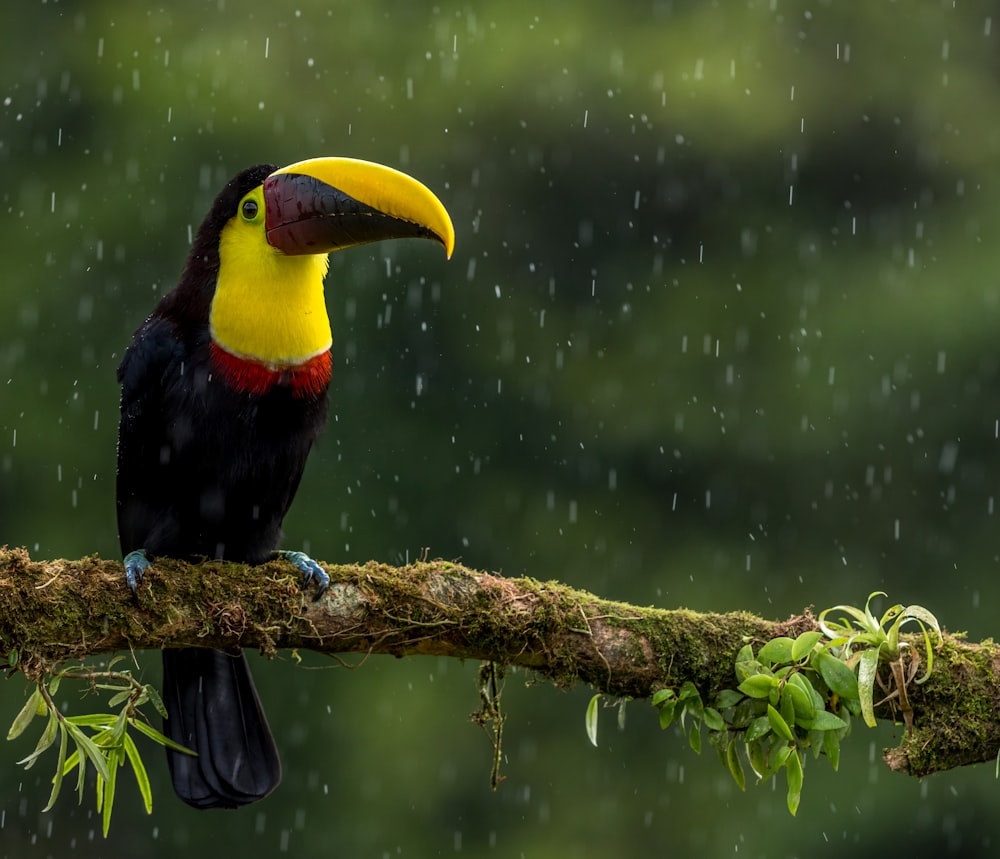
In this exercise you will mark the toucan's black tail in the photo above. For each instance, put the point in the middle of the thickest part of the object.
(214, 710)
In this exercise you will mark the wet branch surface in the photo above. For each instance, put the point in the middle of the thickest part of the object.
(54, 611)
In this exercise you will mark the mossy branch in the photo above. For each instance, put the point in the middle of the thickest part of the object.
(54, 611)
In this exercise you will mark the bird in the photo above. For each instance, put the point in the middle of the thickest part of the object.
(224, 390)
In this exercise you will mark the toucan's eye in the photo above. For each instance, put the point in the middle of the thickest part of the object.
(249, 209)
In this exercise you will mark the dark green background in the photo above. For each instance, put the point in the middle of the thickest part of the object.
(720, 331)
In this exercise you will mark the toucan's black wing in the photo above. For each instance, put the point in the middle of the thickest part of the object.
(155, 354)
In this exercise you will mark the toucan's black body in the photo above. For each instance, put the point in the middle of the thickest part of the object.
(224, 391)
(205, 471)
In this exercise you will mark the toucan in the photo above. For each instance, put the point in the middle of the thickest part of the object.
(223, 392)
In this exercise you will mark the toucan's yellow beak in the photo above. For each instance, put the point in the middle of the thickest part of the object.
(325, 204)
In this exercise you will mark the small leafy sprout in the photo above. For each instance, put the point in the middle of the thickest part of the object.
(107, 745)
(865, 641)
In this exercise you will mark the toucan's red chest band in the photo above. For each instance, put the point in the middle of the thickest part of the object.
(247, 376)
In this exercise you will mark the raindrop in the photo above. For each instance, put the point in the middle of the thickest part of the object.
(949, 455)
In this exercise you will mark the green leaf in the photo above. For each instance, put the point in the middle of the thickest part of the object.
(694, 737)
(735, 765)
(759, 727)
(694, 708)
(141, 776)
(591, 719)
(27, 713)
(838, 676)
(745, 712)
(831, 748)
(867, 669)
(157, 737)
(90, 750)
(824, 720)
(814, 742)
(872, 625)
(757, 756)
(77, 760)
(745, 654)
(662, 695)
(852, 705)
(109, 793)
(797, 688)
(804, 644)
(835, 628)
(892, 636)
(922, 617)
(728, 698)
(120, 698)
(118, 731)
(777, 650)
(713, 719)
(750, 668)
(155, 700)
(688, 691)
(781, 753)
(787, 709)
(621, 713)
(667, 709)
(44, 742)
(57, 779)
(93, 720)
(779, 725)
(918, 612)
(794, 774)
(758, 686)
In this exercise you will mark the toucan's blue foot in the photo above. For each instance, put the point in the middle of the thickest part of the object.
(136, 564)
(311, 571)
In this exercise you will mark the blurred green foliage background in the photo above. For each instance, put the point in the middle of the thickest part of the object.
(720, 332)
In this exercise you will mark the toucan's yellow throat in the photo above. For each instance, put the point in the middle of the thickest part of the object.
(269, 306)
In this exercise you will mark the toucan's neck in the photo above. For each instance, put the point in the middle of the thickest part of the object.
(269, 307)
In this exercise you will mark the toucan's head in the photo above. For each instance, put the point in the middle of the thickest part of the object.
(265, 244)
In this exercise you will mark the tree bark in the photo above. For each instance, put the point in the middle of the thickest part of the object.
(54, 611)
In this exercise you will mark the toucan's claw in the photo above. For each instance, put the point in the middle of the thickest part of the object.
(310, 570)
(136, 564)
